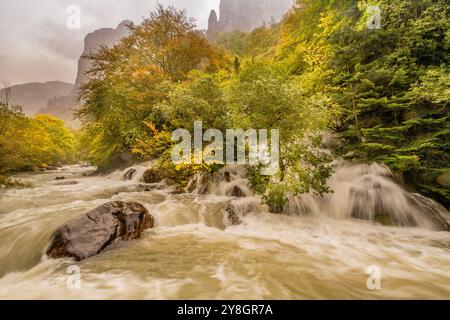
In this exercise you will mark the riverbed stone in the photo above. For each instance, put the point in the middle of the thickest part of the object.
(153, 176)
(232, 215)
(67, 183)
(93, 232)
(237, 192)
(129, 175)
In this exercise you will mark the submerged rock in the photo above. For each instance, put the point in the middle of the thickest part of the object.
(60, 178)
(384, 219)
(237, 192)
(67, 183)
(88, 174)
(90, 234)
(178, 190)
(205, 184)
(129, 175)
(232, 216)
(412, 210)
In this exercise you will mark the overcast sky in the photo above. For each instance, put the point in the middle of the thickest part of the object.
(36, 45)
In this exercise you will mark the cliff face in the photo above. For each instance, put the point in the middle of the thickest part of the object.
(34, 96)
(58, 98)
(246, 15)
(102, 37)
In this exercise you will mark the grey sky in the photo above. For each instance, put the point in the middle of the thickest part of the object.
(36, 45)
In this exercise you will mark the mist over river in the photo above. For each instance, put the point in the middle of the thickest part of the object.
(195, 253)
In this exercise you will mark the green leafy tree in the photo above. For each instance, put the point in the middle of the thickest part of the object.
(130, 79)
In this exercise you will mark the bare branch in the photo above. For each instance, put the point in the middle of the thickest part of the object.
(7, 90)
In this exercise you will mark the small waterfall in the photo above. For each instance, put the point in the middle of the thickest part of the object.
(200, 238)
(230, 181)
(369, 192)
(360, 191)
(133, 174)
(230, 187)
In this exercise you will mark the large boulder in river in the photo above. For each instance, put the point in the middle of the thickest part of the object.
(90, 234)
(153, 176)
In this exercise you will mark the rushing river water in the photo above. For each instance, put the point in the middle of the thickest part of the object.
(193, 253)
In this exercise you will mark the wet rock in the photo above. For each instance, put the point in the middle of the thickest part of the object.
(84, 164)
(67, 183)
(121, 161)
(205, 185)
(88, 174)
(370, 205)
(237, 192)
(150, 187)
(276, 208)
(227, 176)
(384, 219)
(431, 211)
(90, 234)
(153, 176)
(145, 188)
(178, 190)
(444, 180)
(232, 216)
(201, 184)
(60, 178)
(129, 175)
(192, 186)
(52, 168)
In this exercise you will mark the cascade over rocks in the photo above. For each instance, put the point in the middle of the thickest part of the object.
(232, 216)
(237, 192)
(129, 175)
(370, 192)
(90, 234)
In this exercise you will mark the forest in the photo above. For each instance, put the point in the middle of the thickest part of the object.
(381, 93)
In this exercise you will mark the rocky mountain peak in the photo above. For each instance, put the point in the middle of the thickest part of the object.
(93, 41)
(246, 15)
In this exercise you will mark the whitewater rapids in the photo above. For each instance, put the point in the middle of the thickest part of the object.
(192, 253)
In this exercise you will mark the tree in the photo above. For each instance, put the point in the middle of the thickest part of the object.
(7, 91)
(28, 143)
(377, 78)
(264, 96)
(130, 79)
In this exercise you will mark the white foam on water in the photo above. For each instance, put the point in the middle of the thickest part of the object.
(318, 250)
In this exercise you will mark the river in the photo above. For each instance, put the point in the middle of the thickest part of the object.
(193, 253)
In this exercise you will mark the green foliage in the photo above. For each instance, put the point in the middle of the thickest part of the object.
(390, 86)
(8, 183)
(384, 92)
(275, 198)
(131, 79)
(28, 143)
(260, 42)
(156, 80)
(200, 98)
(263, 95)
